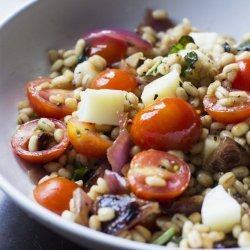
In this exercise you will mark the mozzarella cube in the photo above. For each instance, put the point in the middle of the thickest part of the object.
(162, 87)
(205, 40)
(101, 106)
(220, 211)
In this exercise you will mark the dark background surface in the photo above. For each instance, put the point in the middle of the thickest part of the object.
(18, 231)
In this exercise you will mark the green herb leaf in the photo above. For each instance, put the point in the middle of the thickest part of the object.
(190, 58)
(80, 170)
(153, 70)
(184, 40)
(165, 237)
(79, 173)
(244, 46)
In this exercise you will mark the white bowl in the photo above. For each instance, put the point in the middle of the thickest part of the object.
(28, 34)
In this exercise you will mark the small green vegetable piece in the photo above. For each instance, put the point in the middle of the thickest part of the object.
(80, 171)
(191, 58)
(165, 237)
(184, 40)
(153, 70)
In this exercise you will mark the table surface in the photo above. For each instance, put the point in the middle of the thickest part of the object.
(17, 230)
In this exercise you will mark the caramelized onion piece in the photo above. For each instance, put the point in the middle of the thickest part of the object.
(129, 212)
(228, 155)
(185, 205)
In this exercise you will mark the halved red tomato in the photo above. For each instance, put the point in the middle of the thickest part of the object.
(158, 164)
(237, 113)
(242, 80)
(19, 142)
(39, 99)
(55, 194)
(169, 124)
(113, 50)
(114, 79)
(86, 140)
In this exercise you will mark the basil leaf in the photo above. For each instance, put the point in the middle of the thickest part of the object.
(79, 173)
(184, 40)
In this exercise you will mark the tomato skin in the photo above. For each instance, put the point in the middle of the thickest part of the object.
(20, 139)
(151, 160)
(114, 79)
(242, 80)
(169, 124)
(226, 115)
(55, 194)
(85, 140)
(113, 50)
(38, 100)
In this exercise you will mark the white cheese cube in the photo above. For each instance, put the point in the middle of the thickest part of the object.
(220, 211)
(101, 106)
(205, 40)
(162, 87)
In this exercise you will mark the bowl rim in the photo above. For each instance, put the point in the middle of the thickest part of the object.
(45, 216)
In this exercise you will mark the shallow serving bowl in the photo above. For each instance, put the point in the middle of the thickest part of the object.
(25, 38)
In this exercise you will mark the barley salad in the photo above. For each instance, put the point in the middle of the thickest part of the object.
(144, 135)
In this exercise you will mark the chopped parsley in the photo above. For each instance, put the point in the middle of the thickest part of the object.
(80, 171)
(184, 40)
(190, 58)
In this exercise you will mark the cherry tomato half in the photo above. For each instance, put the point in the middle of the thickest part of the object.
(242, 80)
(39, 99)
(21, 137)
(170, 123)
(85, 140)
(55, 194)
(114, 79)
(151, 164)
(237, 113)
(113, 50)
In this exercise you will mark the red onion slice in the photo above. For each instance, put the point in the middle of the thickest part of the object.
(82, 205)
(116, 183)
(118, 154)
(124, 35)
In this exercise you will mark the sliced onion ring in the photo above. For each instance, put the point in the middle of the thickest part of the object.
(116, 183)
(124, 35)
